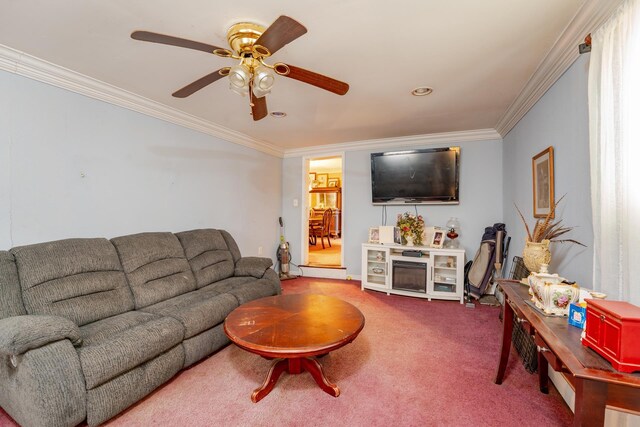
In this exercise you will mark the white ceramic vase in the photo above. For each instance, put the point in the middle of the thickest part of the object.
(409, 240)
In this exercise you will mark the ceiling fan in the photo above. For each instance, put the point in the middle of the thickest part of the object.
(250, 44)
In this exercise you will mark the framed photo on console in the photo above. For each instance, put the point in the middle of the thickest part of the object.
(543, 197)
(374, 235)
(437, 240)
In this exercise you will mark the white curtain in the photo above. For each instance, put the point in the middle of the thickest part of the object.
(614, 127)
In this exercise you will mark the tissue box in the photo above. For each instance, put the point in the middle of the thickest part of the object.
(577, 314)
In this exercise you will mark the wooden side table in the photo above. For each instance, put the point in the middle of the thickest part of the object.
(595, 382)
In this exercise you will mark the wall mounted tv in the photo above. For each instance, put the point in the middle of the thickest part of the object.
(417, 176)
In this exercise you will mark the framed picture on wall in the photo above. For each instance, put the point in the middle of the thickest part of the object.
(542, 169)
(322, 179)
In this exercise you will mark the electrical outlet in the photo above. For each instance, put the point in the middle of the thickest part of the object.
(295, 203)
(259, 250)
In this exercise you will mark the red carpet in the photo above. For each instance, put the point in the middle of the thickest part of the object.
(415, 363)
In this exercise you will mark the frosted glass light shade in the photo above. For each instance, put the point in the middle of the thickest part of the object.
(263, 79)
(239, 76)
(243, 91)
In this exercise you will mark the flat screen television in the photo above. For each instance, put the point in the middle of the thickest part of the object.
(416, 176)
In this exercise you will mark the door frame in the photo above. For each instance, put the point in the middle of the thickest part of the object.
(304, 212)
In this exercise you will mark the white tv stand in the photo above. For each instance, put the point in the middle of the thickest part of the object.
(437, 274)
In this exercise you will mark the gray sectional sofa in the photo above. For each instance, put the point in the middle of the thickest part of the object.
(90, 326)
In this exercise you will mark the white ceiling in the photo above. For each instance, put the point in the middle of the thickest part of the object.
(477, 55)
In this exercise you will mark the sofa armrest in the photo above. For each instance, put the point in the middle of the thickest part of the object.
(20, 334)
(44, 386)
(252, 266)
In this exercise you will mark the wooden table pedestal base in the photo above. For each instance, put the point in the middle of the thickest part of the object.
(295, 365)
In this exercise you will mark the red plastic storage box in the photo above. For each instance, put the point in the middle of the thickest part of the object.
(613, 331)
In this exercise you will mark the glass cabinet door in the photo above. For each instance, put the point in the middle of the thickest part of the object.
(444, 274)
(377, 267)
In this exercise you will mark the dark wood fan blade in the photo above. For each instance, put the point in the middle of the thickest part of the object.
(147, 36)
(258, 107)
(283, 31)
(318, 80)
(199, 84)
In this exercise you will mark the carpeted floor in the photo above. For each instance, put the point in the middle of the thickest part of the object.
(415, 363)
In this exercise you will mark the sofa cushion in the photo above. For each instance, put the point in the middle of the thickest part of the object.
(196, 312)
(118, 344)
(232, 245)
(80, 279)
(204, 344)
(107, 400)
(209, 255)
(155, 266)
(226, 285)
(244, 289)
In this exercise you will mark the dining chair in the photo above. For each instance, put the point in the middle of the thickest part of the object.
(313, 224)
(323, 230)
(312, 234)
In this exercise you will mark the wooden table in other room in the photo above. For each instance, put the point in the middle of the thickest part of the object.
(293, 329)
(595, 382)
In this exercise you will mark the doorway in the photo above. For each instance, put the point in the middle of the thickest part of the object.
(324, 212)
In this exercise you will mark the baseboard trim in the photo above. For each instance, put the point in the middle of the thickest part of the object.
(324, 272)
(322, 266)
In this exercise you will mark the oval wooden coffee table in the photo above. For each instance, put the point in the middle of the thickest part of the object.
(293, 329)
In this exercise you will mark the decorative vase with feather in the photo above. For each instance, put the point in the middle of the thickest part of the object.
(535, 254)
(546, 230)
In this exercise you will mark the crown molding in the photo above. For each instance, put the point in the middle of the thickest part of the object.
(563, 53)
(17, 62)
(399, 142)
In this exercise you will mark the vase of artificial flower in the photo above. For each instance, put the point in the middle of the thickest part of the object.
(411, 228)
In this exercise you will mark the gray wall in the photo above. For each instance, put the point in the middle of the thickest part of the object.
(140, 173)
(559, 119)
(480, 200)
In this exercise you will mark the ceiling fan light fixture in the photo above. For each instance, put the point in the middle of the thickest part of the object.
(239, 76)
(250, 44)
(263, 78)
(422, 91)
(259, 93)
(242, 91)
